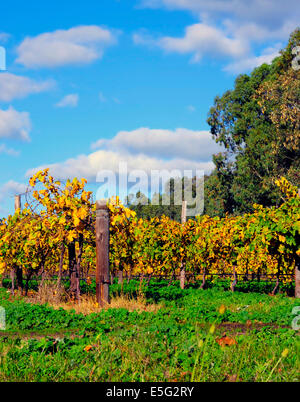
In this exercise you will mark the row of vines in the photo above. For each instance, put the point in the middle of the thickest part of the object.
(54, 236)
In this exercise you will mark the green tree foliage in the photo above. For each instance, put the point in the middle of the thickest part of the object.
(169, 202)
(147, 208)
(258, 122)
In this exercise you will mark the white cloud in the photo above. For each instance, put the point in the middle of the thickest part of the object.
(199, 40)
(69, 101)
(8, 151)
(14, 124)
(228, 28)
(14, 87)
(78, 45)
(167, 144)
(88, 166)
(144, 148)
(252, 31)
(250, 63)
(11, 188)
(272, 15)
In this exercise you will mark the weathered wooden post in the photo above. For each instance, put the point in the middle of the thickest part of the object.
(102, 253)
(297, 278)
(297, 271)
(183, 221)
(17, 202)
(16, 271)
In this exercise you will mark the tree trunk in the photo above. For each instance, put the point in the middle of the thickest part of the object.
(73, 269)
(28, 277)
(232, 286)
(276, 287)
(171, 279)
(79, 258)
(12, 276)
(141, 283)
(203, 279)
(19, 274)
(43, 274)
(258, 275)
(61, 263)
(120, 277)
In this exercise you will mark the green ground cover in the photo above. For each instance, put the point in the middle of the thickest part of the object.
(186, 339)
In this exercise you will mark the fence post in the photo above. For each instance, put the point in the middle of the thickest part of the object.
(183, 221)
(297, 278)
(17, 202)
(297, 271)
(102, 253)
(16, 272)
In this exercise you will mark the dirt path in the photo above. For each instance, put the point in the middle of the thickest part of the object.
(26, 335)
(233, 328)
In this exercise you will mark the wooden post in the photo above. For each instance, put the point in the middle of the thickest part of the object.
(16, 272)
(182, 268)
(120, 277)
(297, 271)
(17, 202)
(297, 278)
(102, 253)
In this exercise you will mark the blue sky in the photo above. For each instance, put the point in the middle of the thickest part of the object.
(97, 82)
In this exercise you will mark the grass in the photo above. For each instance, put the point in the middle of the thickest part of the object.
(88, 304)
(57, 298)
(166, 335)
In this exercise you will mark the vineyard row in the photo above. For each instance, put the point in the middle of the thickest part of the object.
(54, 235)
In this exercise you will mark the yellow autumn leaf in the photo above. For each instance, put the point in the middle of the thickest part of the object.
(62, 220)
(61, 202)
(76, 221)
(222, 309)
(71, 236)
(82, 213)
